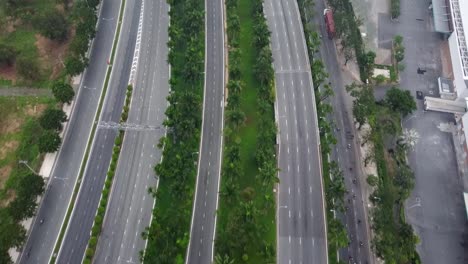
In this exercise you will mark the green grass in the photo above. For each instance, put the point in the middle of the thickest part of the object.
(248, 133)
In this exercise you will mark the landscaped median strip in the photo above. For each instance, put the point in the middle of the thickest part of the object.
(246, 230)
(98, 219)
(88, 145)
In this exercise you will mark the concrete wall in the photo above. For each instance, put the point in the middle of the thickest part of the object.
(459, 81)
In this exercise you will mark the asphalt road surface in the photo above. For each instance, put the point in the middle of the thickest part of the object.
(301, 219)
(130, 207)
(41, 241)
(202, 230)
(355, 217)
(78, 231)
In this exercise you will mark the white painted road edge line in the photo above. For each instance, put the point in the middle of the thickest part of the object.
(187, 255)
(316, 125)
(135, 58)
(223, 8)
(84, 154)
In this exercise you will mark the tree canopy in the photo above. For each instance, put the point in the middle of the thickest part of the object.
(63, 91)
(400, 100)
(52, 118)
(49, 141)
(52, 25)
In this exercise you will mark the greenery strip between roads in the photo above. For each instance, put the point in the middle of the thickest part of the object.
(334, 187)
(99, 218)
(246, 224)
(88, 145)
(168, 233)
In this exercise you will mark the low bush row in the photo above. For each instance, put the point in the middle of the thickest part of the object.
(100, 214)
(168, 233)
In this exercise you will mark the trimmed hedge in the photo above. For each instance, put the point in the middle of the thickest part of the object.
(100, 214)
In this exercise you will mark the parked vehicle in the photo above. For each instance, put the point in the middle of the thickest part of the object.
(329, 22)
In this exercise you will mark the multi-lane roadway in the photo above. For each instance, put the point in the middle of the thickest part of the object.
(301, 216)
(346, 151)
(79, 227)
(41, 241)
(130, 206)
(203, 225)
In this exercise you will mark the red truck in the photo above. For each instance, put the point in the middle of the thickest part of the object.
(329, 23)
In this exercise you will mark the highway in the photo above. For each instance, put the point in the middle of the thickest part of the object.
(79, 227)
(355, 217)
(203, 224)
(301, 217)
(130, 206)
(39, 246)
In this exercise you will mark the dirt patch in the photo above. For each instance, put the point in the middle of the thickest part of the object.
(52, 53)
(11, 125)
(8, 147)
(4, 174)
(391, 164)
(8, 73)
(35, 110)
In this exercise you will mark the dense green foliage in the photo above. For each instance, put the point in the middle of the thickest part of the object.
(52, 118)
(168, 233)
(7, 54)
(400, 100)
(394, 240)
(395, 8)
(398, 48)
(52, 25)
(49, 141)
(63, 91)
(101, 211)
(347, 29)
(246, 223)
(333, 179)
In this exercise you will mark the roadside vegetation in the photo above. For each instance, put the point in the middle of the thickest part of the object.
(23, 123)
(334, 187)
(246, 216)
(37, 40)
(394, 240)
(44, 40)
(168, 234)
(347, 31)
(395, 8)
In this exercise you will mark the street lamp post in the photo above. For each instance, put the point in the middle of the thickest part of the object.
(25, 162)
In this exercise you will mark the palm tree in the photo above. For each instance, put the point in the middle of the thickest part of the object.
(223, 260)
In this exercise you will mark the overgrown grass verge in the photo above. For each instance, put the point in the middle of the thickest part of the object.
(333, 180)
(168, 233)
(101, 211)
(246, 216)
(394, 240)
(90, 139)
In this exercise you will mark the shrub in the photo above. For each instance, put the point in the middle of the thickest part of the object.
(28, 68)
(92, 241)
(372, 180)
(52, 25)
(7, 54)
(89, 252)
(395, 8)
